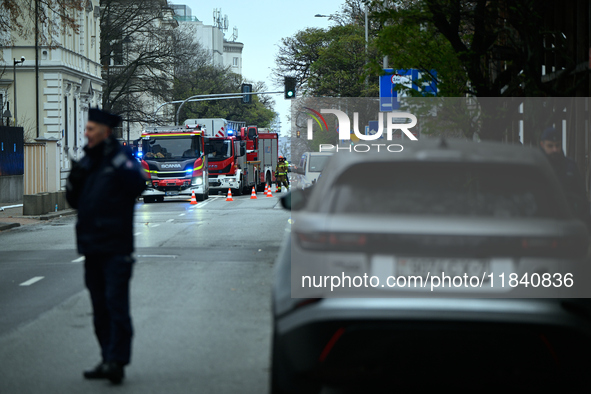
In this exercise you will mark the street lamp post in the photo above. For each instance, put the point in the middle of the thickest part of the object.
(127, 41)
(366, 35)
(14, 84)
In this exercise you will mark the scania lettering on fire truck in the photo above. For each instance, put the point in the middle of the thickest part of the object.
(175, 161)
(234, 161)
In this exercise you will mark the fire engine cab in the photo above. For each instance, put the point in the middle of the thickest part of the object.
(175, 161)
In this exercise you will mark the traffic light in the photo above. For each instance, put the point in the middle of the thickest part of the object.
(246, 88)
(290, 88)
(298, 134)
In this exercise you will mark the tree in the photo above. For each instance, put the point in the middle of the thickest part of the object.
(206, 78)
(56, 17)
(499, 45)
(412, 43)
(481, 48)
(329, 62)
(141, 49)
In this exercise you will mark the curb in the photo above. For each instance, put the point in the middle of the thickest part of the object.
(54, 215)
(7, 226)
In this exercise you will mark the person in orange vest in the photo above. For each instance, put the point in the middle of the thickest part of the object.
(281, 173)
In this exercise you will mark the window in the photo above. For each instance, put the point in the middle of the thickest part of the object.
(303, 162)
(445, 189)
(221, 150)
(235, 62)
(317, 163)
(117, 53)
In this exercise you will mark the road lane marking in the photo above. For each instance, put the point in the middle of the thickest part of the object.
(204, 203)
(182, 214)
(171, 256)
(31, 281)
(79, 259)
(169, 221)
(136, 234)
(154, 225)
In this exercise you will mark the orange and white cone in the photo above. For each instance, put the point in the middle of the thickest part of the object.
(229, 198)
(193, 199)
(269, 191)
(253, 194)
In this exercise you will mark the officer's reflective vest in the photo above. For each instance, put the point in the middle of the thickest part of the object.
(282, 169)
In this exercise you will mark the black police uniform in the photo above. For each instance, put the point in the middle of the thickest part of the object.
(569, 176)
(103, 186)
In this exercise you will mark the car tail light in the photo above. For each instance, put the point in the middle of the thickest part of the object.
(312, 240)
(330, 344)
(348, 239)
(307, 301)
(146, 168)
(328, 240)
(550, 349)
(539, 243)
(555, 247)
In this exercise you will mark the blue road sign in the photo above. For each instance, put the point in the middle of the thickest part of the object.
(372, 128)
(389, 98)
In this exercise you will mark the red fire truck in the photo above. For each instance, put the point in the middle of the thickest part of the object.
(239, 157)
(175, 161)
(266, 147)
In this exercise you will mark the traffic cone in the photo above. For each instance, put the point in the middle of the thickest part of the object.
(193, 199)
(253, 194)
(269, 191)
(229, 198)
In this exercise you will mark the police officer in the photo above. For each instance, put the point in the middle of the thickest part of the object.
(567, 172)
(281, 173)
(103, 186)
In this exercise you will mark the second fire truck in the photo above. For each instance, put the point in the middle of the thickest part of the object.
(239, 157)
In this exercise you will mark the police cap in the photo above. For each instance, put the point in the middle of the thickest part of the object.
(103, 117)
(551, 134)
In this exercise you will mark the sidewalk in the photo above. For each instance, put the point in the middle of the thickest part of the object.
(13, 217)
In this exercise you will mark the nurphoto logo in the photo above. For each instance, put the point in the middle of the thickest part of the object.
(395, 121)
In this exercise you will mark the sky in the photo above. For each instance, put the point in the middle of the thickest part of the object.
(261, 26)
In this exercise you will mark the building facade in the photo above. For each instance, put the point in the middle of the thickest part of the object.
(233, 55)
(69, 84)
(223, 52)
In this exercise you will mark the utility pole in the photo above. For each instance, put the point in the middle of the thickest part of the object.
(36, 67)
(127, 41)
(366, 43)
(15, 62)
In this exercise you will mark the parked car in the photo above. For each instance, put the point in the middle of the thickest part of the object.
(438, 203)
(310, 167)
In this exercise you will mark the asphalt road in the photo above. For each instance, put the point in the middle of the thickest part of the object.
(200, 301)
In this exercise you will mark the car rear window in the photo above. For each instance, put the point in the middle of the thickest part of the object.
(317, 163)
(444, 189)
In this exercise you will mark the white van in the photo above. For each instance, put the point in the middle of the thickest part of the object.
(310, 167)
